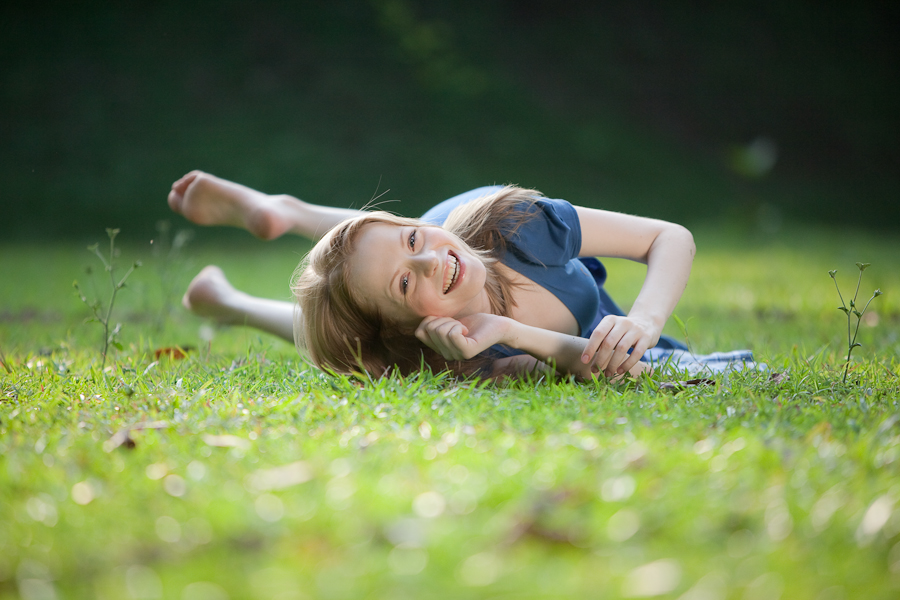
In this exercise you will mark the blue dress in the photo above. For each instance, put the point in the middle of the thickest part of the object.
(545, 250)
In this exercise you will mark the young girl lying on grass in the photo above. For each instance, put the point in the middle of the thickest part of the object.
(498, 280)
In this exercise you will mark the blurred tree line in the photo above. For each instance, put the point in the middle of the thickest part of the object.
(747, 111)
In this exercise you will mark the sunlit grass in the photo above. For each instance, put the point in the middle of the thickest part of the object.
(248, 474)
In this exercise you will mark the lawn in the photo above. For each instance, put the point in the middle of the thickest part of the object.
(243, 472)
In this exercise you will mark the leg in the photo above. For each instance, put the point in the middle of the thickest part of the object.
(211, 295)
(208, 200)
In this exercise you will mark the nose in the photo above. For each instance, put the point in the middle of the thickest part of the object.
(426, 263)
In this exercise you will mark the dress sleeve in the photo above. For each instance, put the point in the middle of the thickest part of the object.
(551, 237)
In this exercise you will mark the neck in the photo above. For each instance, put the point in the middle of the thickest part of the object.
(493, 298)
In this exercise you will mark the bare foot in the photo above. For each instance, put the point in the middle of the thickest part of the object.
(208, 200)
(211, 295)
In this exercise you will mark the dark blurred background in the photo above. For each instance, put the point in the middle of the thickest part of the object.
(749, 113)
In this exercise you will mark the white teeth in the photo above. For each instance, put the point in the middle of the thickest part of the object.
(454, 275)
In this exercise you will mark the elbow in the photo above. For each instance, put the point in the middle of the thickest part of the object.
(671, 240)
(685, 239)
(692, 246)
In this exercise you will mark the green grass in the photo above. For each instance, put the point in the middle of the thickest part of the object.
(429, 487)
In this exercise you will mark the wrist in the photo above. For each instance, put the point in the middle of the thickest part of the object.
(511, 332)
(654, 321)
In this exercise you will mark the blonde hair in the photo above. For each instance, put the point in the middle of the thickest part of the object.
(343, 334)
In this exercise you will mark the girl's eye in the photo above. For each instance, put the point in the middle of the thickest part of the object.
(404, 283)
(412, 240)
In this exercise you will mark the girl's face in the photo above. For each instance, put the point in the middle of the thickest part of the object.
(408, 273)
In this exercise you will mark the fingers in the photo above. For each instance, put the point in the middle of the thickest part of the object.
(608, 348)
(620, 353)
(598, 335)
(436, 327)
(445, 336)
(610, 333)
(422, 331)
(634, 358)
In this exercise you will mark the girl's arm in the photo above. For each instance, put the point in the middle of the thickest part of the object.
(667, 250)
(465, 338)
(518, 366)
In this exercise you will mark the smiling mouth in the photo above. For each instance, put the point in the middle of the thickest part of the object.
(454, 269)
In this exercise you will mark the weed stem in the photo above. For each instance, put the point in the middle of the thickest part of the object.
(96, 307)
(3, 362)
(852, 311)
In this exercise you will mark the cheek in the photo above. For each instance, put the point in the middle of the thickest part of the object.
(432, 306)
(478, 276)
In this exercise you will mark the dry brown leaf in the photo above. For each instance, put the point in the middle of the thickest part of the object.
(680, 385)
(123, 436)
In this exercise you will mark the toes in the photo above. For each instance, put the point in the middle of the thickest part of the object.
(179, 189)
(187, 179)
(175, 199)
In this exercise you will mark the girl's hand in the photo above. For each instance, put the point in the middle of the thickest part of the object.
(607, 349)
(465, 338)
(635, 371)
